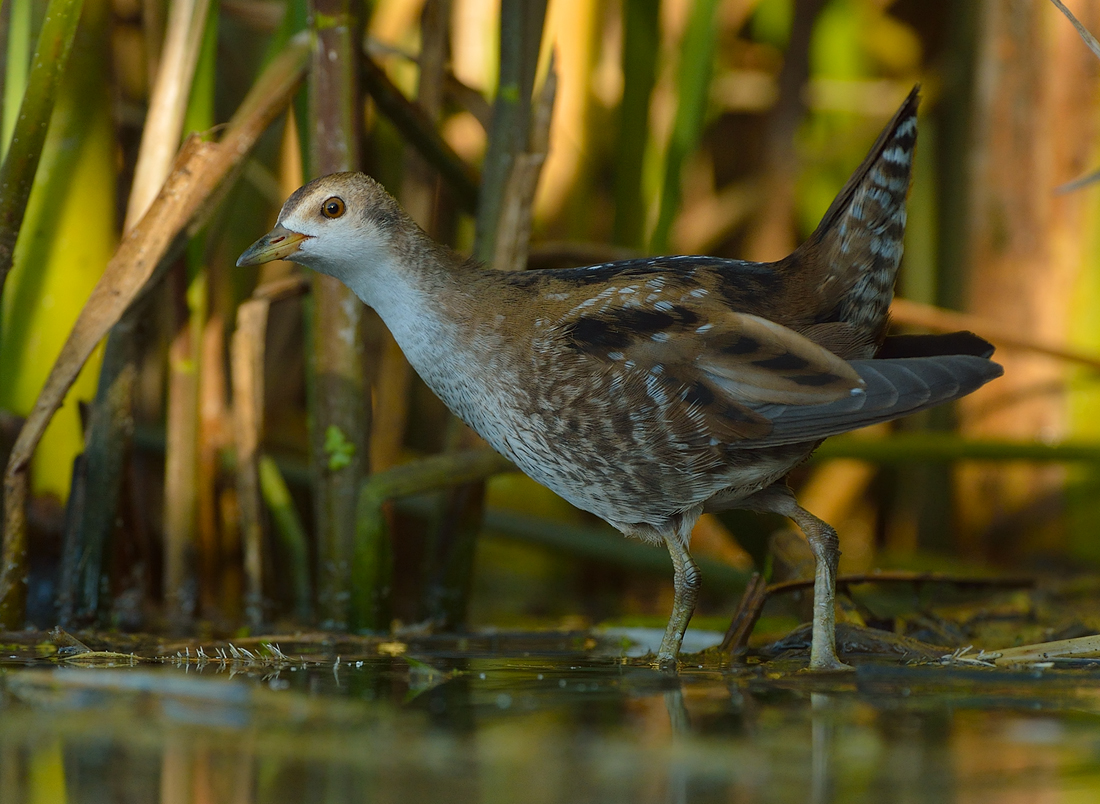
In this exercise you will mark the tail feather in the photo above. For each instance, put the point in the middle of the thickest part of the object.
(893, 388)
(854, 253)
(951, 343)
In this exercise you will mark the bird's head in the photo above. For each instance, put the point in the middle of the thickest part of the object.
(342, 224)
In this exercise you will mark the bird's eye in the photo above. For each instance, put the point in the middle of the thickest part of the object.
(333, 208)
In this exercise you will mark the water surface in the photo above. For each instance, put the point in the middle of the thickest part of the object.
(537, 719)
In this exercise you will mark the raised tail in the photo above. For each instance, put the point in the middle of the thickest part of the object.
(852, 257)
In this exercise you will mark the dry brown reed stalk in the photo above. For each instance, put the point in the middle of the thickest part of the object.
(180, 515)
(419, 188)
(258, 478)
(247, 371)
(214, 436)
(179, 210)
(773, 235)
(518, 141)
(162, 130)
(167, 104)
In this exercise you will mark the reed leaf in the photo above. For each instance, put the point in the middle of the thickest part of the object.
(29, 134)
(641, 45)
(905, 448)
(69, 235)
(291, 535)
(693, 86)
(16, 66)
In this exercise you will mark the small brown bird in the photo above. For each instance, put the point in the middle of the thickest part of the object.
(649, 391)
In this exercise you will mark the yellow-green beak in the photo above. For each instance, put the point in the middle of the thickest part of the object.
(277, 244)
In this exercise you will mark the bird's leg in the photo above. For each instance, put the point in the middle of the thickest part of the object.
(686, 583)
(826, 548)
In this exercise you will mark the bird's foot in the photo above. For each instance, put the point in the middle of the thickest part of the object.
(667, 658)
(828, 664)
(665, 665)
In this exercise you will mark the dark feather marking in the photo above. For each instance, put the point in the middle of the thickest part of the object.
(684, 316)
(698, 394)
(617, 329)
(814, 380)
(523, 279)
(743, 289)
(641, 321)
(386, 219)
(626, 269)
(623, 427)
(744, 345)
(597, 333)
(783, 362)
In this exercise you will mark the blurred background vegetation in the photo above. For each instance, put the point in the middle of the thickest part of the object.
(208, 464)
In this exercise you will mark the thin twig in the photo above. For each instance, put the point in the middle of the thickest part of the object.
(757, 594)
(1094, 46)
(902, 576)
(744, 619)
(418, 129)
(1090, 40)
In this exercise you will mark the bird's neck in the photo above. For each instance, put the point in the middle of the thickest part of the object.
(407, 268)
(421, 289)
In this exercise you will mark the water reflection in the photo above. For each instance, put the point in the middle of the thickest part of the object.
(823, 731)
(544, 729)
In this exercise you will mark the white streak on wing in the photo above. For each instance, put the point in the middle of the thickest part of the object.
(655, 391)
(601, 296)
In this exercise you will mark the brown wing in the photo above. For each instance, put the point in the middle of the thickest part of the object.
(705, 367)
